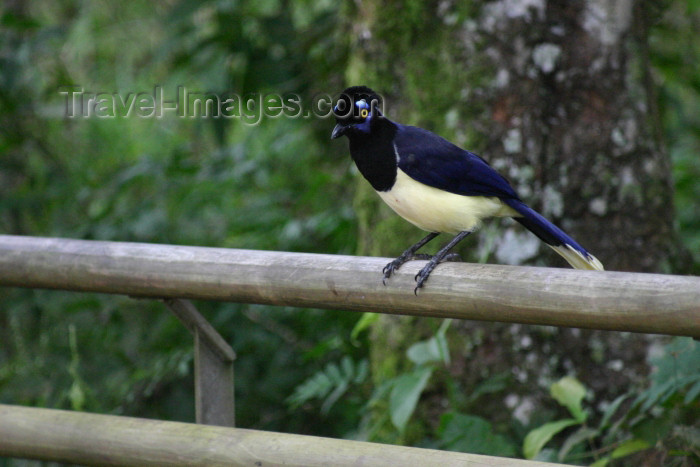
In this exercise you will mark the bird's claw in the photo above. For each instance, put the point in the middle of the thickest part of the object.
(387, 271)
(394, 266)
(423, 274)
(390, 268)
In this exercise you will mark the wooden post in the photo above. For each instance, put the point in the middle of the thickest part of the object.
(213, 367)
(620, 301)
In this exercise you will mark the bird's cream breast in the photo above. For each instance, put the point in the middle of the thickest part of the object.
(436, 210)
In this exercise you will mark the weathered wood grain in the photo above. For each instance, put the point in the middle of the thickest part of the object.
(107, 440)
(651, 303)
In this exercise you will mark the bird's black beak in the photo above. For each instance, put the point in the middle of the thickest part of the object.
(338, 131)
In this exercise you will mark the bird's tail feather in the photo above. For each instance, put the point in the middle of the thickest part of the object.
(576, 259)
(553, 236)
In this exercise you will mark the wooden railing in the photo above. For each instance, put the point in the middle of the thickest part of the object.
(619, 301)
(651, 303)
(102, 440)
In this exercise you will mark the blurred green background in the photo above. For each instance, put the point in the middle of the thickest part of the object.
(278, 185)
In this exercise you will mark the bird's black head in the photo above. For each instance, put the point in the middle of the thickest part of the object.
(358, 108)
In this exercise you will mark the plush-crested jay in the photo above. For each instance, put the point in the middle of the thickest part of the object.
(434, 184)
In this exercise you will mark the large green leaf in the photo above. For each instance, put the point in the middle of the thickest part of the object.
(424, 352)
(432, 350)
(365, 321)
(537, 438)
(629, 447)
(569, 392)
(405, 393)
(625, 449)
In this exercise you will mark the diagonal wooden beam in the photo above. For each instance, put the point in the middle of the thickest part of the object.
(213, 366)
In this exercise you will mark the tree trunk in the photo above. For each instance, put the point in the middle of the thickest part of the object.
(557, 96)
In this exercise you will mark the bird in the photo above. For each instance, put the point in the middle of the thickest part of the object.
(435, 185)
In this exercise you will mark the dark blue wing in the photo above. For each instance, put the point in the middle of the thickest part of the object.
(434, 161)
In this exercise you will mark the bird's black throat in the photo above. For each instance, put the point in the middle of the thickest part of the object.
(374, 154)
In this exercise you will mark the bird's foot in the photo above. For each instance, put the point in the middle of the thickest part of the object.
(391, 267)
(423, 274)
(407, 255)
(394, 266)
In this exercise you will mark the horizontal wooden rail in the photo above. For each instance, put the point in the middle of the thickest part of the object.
(651, 303)
(89, 439)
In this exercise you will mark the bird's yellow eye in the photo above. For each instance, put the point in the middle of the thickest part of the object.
(364, 113)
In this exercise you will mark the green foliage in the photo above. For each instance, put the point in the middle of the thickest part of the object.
(656, 417)
(364, 323)
(397, 400)
(405, 391)
(675, 52)
(678, 372)
(174, 180)
(76, 392)
(661, 415)
(402, 392)
(433, 350)
(469, 433)
(330, 383)
(407, 388)
(537, 438)
(627, 448)
(568, 392)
